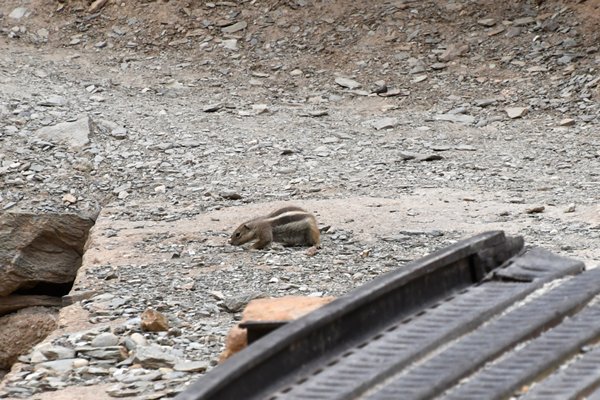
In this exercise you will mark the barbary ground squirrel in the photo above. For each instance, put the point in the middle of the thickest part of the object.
(291, 226)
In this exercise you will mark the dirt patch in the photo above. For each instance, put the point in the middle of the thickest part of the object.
(75, 393)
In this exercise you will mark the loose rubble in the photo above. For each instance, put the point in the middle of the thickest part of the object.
(164, 112)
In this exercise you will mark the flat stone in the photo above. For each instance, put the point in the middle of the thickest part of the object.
(230, 44)
(496, 31)
(238, 26)
(36, 167)
(230, 195)
(587, 118)
(537, 68)
(212, 107)
(69, 198)
(535, 210)
(96, 5)
(385, 123)
(154, 357)
(429, 157)
(73, 134)
(485, 102)
(37, 357)
(139, 339)
(567, 122)
(417, 69)
(57, 353)
(460, 118)
(516, 112)
(316, 113)
(53, 101)
(105, 353)
(440, 147)
(465, 147)
(407, 155)
(260, 109)
(453, 51)
(141, 376)
(523, 21)
(105, 339)
(19, 13)
(238, 302)
(74, 297)
(488, 22)
(391, 92)
(121, 391)
(322, 151)
(347, 83)
(119, 133)
(513, 31)
(62, 366)
(97, 371)
(191, 366)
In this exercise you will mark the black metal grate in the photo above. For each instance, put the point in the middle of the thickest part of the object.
(463, 357)
(441, 327)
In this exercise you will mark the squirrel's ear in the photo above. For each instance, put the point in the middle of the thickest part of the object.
(246, 226)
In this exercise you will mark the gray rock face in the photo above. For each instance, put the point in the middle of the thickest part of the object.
(40, 248)
(15, 302)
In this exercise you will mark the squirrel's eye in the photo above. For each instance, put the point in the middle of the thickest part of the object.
(237, 234)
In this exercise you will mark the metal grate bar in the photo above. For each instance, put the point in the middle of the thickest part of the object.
(466, 355)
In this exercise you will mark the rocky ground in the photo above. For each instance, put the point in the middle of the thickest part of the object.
(404, 125)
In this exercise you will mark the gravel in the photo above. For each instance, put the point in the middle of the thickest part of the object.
(223, 105)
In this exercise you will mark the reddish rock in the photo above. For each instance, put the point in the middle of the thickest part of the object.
(274, 309)
(153, 321)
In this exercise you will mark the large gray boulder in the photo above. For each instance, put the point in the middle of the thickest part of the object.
(40, 248)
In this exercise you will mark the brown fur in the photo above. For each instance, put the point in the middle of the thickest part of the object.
(291, 226)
